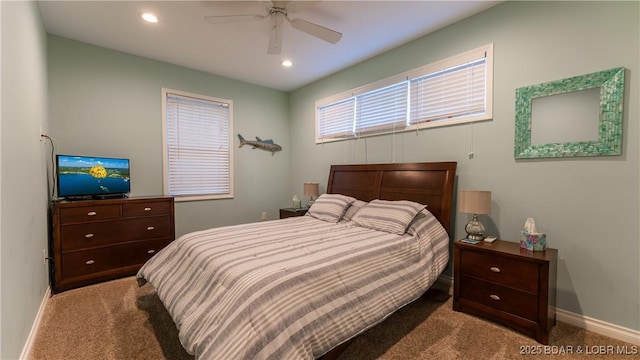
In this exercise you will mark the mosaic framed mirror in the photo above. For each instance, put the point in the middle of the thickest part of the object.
(577, 116)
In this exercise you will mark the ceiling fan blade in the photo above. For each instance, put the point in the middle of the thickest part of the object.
(275, 37)
(318, 31)
(225, 19)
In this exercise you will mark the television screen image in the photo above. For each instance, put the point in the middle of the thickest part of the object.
(80, 176)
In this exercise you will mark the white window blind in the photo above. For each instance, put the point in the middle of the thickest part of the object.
(450, 91)
(335, 120)
(454, 92)
(198, 146)
(382, 110)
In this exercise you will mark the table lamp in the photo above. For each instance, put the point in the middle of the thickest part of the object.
(474, 202)
(311, 189)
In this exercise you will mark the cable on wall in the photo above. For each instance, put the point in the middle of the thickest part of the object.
(471, 142)
(51, 177)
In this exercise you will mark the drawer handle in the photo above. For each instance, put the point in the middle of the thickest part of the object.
(495, 269)
(495, 297)
(150, 228)
(89, 235)
(90, 262)
(92, 213)
(151, 251)
(147, 209)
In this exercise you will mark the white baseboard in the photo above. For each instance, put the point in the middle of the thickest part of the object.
(445, 280)
(444, 283)
(599, 326)
(26, 350)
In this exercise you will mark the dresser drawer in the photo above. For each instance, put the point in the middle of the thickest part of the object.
(90, 235)
(89, 213)
(500, 270)
(148, 228)
(103, 259)
(146, 209)
(501, 298)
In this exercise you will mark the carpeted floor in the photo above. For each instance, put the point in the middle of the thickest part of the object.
(118, 320)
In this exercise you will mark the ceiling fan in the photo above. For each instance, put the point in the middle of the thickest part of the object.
(278, 12)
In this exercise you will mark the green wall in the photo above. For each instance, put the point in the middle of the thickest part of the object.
(108, 103)
(23, 158)
(101, 102)
(587, 206)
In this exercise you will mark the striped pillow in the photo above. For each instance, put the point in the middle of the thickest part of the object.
(330, 207)
(389, 216)
(353, 210)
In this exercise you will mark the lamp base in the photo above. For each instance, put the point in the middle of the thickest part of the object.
(475, 229)
(475, 237)
(310, 202)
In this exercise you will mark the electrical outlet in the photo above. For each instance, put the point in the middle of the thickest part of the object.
(264, 215)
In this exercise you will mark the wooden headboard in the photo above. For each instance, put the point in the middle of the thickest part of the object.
(426, 183)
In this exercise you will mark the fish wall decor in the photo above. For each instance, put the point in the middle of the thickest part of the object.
(268, 145)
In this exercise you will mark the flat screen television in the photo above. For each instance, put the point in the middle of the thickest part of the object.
(92, 177)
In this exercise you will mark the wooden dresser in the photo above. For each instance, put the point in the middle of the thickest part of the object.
(506, 284)
(97, 240)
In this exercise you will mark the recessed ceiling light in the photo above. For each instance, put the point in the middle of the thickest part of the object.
(287, 63)
(148, 17)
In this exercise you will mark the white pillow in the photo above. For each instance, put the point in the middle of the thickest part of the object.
(389, 216)
(330, 207)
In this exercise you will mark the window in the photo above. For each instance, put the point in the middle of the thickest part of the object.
(198, 156)
(451, 91)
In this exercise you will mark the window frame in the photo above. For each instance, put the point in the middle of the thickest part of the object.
(485, 51)
(165, 148)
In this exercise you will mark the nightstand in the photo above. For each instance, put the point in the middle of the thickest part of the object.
(507, 284)
(291, 212)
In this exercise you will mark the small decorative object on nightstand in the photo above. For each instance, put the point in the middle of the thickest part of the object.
(291, 212)
(507, 284)
(474, 202)
(296, 202)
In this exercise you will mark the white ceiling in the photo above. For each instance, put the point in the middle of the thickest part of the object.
(239, 50)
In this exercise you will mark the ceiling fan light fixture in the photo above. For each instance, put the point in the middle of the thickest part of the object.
(149, 17)
(277, 12)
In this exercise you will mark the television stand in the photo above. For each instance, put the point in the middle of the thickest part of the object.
(76, 198)
(99, 240)
(109, 196)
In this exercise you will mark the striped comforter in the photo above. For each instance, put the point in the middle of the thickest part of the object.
(292, 288)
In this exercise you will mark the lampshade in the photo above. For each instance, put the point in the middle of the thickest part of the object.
(474, 202)
(311, 189)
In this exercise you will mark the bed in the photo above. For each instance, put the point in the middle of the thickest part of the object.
(302, 287)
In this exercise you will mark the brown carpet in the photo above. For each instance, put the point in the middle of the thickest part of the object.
(118, 320)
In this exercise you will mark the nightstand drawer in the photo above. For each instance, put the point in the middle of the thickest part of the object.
(514, 302)
(500, 270)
